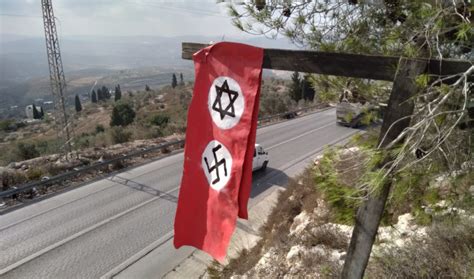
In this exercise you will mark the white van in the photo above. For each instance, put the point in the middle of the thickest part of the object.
(260, 158)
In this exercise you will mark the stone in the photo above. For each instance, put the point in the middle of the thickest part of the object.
(299, 223)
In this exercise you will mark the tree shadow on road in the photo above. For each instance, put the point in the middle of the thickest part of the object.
(264, 179)
(144, 188)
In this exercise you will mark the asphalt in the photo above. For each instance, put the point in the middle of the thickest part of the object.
(104, 227)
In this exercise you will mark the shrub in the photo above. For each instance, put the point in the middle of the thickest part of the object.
(99, 128)
(7, 125)
(160, 120)
(122, 115)
(119, 135)
(341, 197)
(446, 253)
(11, 178)
(35, 173)
(27, 150)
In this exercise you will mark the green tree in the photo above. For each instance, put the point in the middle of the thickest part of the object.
(174, 81)
(307, 88)
(160, 120)
(122, 115)
(181, 79)
(118, 93)
(36, 113)
(147, 88)
(94, 97)
(78, 104)
(41, 113)
(295, 89)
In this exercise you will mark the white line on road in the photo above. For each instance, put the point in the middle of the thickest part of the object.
(156, 244)
(80, 233)
(300, 136)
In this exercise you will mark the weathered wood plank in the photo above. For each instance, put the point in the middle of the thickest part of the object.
(368, 217)
(340, 64)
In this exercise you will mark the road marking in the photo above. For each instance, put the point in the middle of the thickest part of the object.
(299, 136)
(110, 219)
(298, 120)
(253, 202)
(137, 256)
(80, 233)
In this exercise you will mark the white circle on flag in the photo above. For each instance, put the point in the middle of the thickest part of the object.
(225, 102)
(216, 164)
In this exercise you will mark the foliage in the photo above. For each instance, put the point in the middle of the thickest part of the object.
(119, 135)
(375, 27)
(342, 197)
(160, 120)
(147, 88)
(103, 94)
(36, 113)
(35, 173)
(122, 114)
(7, 125)
(78, 105)
(448, 252)
(93, 97)
(295, 89)
(307, 88)
(174, 81)
(118, 93)
(181, 79)
(274, 98)
(99, 129)
(27, 151)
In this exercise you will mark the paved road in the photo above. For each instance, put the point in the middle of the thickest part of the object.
(87, 232)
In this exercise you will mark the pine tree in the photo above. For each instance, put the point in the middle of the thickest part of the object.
(307, 88)
(78, 104)
(118, 93)
(295, 89)
(36, 114)
(41, 112)
(181, 79)
(106, 93)
(174, 81)
(147, 88)
(94, 97)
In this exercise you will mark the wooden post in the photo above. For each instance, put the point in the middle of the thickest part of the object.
(368, 217)
(403, 72)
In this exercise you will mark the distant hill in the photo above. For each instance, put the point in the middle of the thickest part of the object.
(130, 61)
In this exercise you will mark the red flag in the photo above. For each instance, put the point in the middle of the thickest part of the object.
(220, 138)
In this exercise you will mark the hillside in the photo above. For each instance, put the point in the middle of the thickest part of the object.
(129, 61)
(426, 231)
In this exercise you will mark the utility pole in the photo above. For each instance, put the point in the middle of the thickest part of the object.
(56, 74)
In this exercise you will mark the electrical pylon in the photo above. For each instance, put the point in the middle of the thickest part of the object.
(56, 75)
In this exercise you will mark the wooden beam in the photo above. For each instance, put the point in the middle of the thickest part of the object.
(368, 217)
(340, 64)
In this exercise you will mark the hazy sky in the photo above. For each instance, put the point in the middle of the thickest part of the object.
(120, 18)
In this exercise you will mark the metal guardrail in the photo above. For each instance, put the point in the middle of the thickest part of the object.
(63, 176)
(60, 177)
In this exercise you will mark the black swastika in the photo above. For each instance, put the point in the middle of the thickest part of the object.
(217, 105)
(216, 165)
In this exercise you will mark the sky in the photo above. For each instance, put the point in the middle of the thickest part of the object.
(120, 18)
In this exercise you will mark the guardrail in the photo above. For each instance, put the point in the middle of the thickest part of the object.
(60, 177)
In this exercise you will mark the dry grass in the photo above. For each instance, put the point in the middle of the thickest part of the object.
(275, 232)
(447, 252)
